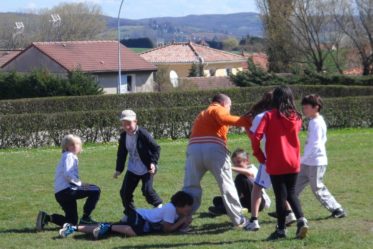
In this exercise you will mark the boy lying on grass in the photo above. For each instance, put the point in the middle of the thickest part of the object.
(171, 217)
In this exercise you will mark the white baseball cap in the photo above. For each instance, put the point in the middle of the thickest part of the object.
(128, 115)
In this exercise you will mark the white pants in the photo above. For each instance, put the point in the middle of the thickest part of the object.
(214, 158)
(314, 176)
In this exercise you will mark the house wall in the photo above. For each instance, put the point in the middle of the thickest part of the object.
(182, 70)
(109, 81)
(33, 59)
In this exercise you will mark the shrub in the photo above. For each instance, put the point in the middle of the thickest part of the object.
(43, 84)
(162, 100)
(256, 76)
(35, 130)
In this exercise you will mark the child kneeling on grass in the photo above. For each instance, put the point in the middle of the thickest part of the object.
(169, 218)
(244, 182)
(68, 188)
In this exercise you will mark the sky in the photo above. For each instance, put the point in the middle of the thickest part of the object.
(137, 9)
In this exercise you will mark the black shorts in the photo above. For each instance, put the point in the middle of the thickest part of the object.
(140, 225)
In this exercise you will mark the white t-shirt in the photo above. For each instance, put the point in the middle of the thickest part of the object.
(166, 213)
(254, 126)
(314, 149)
(67, 172)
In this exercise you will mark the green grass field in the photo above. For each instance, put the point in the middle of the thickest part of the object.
(26, 178)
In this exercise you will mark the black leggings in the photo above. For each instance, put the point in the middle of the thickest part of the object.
(284, 188)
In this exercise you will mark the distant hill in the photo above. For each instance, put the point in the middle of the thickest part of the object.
(192, 26)
(161, 29)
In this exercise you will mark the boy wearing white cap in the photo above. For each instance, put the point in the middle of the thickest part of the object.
(143, 157)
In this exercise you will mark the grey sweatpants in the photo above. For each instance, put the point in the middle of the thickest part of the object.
(214, 158)
(314, 176)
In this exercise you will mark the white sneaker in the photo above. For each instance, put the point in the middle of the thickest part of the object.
(159, 206)
(243, 223)
(290, 219)
(124, 219)
(253, 226)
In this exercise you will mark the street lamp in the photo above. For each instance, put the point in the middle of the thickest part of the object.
(119, 52)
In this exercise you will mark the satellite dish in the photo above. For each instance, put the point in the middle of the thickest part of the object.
(174, 78)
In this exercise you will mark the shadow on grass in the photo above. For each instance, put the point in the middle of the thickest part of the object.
(25, 230)
(174, 245)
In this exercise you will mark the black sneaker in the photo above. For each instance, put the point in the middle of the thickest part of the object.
(87, 220)
(338, 213)
(216, 211)
(302, 228)
(273, 215)
(278, 234)
(41, 220)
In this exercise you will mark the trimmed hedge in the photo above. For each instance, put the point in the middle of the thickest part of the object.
(163, 100)
(35, 130)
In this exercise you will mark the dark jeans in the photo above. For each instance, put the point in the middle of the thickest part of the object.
(67, 200)
(284, 188)
(244, 187)
(129, 185)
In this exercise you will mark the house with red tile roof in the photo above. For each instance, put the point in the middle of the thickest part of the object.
(177, 59)
(6, 55)
(98, 58)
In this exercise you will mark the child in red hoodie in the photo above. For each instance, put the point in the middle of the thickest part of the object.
(281, 127)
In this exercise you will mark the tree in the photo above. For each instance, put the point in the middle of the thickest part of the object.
(355, 18)
(197, 70)
(230, 43)
(279, 46)
(79, 21)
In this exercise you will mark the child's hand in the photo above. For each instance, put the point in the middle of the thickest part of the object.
(188, 220)
(116, 174)
(152, 169)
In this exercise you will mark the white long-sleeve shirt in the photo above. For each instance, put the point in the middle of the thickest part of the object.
(67, 172)
(314, 150)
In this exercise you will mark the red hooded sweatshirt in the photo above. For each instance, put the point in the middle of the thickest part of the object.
(282, 143)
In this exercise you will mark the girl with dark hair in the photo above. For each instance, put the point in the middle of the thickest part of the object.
(281, 127)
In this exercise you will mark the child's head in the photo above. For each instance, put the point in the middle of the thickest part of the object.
(283, 101)
(183, 203)
(311, 105)
(129, 121)
(223, 100)
(240, 158)
(262, 105)
(71, 143)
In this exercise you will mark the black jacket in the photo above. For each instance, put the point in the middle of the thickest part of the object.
(147, 148)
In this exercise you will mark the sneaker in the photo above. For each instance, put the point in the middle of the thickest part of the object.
(252, 226)
(243, 224)
(124, 219)
(41, 220)
(216, 211)
(338, 213)
(290, 219)
(302, 228)
(273, 215)
(278, 234)
(87, 220)
(66, 230)
(101, 230)
(159, 206)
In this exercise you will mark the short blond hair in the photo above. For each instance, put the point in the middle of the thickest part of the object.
(68, 140)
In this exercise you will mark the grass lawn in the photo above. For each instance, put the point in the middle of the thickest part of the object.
(26, 178)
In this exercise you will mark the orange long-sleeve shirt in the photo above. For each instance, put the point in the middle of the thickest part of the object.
(212, 125)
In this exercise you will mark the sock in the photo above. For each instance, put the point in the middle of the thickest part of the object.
(253, 218)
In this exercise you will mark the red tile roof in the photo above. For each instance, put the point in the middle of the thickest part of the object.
(6, 56)
(93, 56)
(259, 59)
(189, 53)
